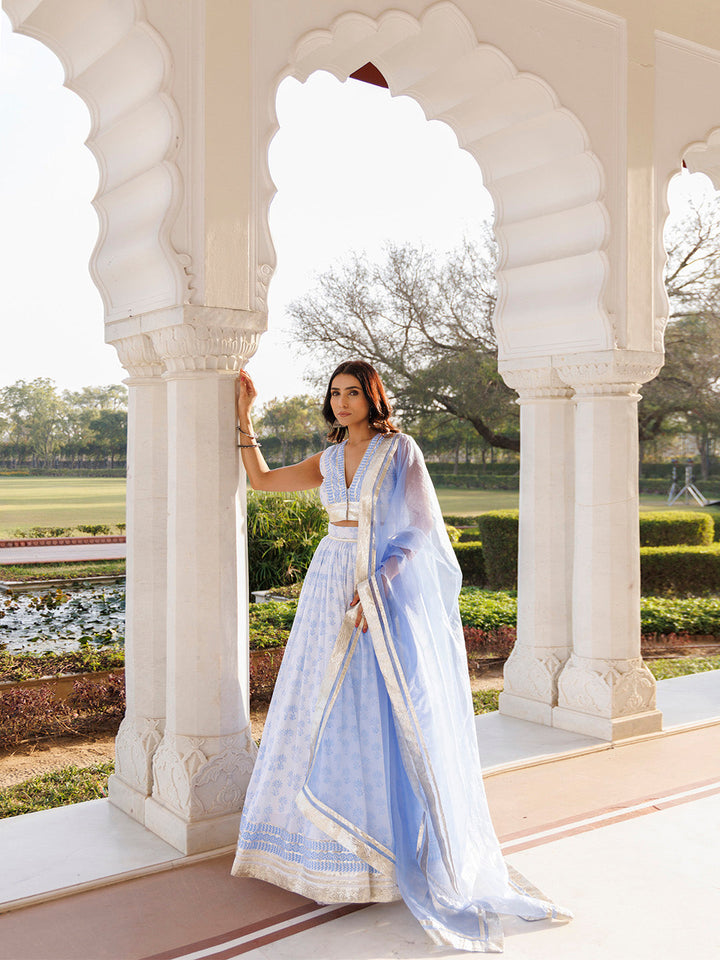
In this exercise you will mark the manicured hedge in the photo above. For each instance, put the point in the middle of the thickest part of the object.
(470, 535)
(457, 482)
(472, 563)
(672, 528)
(680, 570)
(460, 520)
(499, 535)
(715, 514)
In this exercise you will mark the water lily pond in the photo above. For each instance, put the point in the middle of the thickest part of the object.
(62, 620)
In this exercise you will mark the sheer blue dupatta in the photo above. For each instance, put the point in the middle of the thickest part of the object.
(394, 773)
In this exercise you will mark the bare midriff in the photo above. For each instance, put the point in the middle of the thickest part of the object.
(345, 523)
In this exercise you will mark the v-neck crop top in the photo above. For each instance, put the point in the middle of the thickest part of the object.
(340, 501)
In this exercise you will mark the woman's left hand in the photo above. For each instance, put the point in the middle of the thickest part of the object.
(360, 617)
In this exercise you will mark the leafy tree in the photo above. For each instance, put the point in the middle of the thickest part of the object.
(444, 437)
(32, 418)
(426, 326)
(83, 436)
(38, 423)
(293, 425)
(109, 432)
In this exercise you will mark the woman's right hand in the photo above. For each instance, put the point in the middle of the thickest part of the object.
(245, 394)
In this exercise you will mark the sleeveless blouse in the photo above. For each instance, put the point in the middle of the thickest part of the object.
(340, 501)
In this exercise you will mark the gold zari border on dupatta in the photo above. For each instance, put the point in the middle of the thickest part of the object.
(419, 770)
(416, 756)
(367, 848)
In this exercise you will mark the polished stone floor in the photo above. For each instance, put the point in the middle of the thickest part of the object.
(626, 835)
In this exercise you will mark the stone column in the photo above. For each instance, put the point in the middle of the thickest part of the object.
(145, 634)
(605, 690)
(203, 764)
(544, 624)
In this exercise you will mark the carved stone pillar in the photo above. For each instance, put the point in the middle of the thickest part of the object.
(605, 690)
(145, 634)
(203, 764)
(544, 624)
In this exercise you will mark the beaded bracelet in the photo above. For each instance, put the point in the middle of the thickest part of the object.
(253, 436)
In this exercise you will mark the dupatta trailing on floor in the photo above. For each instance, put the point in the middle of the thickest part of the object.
(397, 700)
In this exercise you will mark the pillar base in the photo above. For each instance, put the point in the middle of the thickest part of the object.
(525, 709)
(127, 798)
(606, 728)
(195, 836)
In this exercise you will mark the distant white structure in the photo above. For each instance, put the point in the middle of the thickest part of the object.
(578, 116)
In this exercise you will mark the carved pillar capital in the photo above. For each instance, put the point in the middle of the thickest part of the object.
(540, 382)
(608, 373)
(196, 338)
(137, 354)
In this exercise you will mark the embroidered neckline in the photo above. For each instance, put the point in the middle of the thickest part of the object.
(348, 487)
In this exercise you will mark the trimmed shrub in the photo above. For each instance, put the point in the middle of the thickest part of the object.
(453, 533)
(511, 467)
(680, 570)
(472, 563)
(470, 535)
(459, 482)
(499, 535)
(680, 616)
(283, 532)
(672, 528)
(94, 529)
(460, 520)
(715, 515)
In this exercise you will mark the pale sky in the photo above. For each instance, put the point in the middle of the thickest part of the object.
(353, 167)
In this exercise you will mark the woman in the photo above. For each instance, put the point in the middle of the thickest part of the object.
(367, 786)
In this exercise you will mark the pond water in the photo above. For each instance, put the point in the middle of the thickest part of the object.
(62, 620)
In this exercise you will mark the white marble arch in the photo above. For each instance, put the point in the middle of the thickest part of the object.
(547, 185)
(120, 66)
(156, 89)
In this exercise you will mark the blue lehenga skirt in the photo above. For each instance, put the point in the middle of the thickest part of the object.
(277, 843)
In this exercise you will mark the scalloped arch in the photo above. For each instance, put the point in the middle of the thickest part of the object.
(547, 186)
(119, 66)
(700, 156)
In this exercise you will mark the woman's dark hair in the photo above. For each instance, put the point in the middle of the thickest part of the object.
(372, 387)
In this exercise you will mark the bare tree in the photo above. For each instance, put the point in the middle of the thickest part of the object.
(685, 397)
(425, 324)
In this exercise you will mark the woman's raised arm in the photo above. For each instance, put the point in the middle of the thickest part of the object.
(300, 476)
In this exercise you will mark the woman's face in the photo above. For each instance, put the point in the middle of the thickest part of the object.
(348, 401)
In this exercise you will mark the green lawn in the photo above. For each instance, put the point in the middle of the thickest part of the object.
(59, 501)
(478, 501)
(67, 501)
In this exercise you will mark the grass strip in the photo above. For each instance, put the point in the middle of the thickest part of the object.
(681, 667)
(58, 789)
(485, 701)
(67, 570)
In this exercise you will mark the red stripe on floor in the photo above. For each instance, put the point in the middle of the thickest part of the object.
(235, 934)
